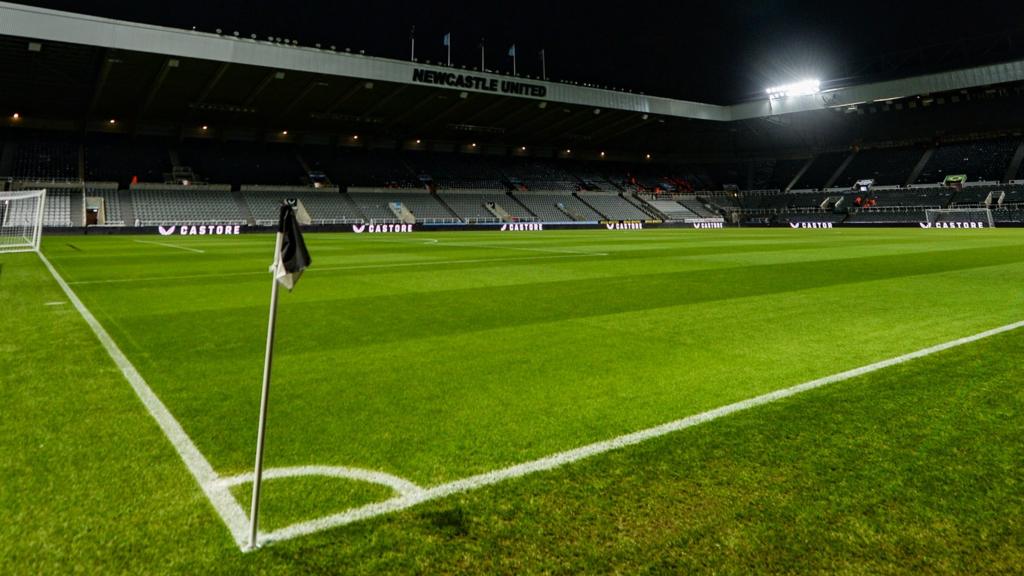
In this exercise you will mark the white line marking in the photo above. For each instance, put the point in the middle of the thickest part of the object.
(166, 245)
(220, 496)
(58, 303)
(400, 485)
(331, 269)
(562, 458)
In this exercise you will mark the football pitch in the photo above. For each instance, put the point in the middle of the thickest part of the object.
(488, 402)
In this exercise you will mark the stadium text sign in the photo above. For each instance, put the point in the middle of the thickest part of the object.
(954, 225)
(382, 228)
(708, 224)
(625, 225)
(522, 227)
(207, 230)
(454, 80)
(810, 225)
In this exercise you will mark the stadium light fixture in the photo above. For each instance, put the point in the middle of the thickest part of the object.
(647, 156)
(473, 145)
(284, 132)
(523, 148)
(418, 141)
(355, 136)
(205, 127)
(602, 154)
(112, 121)
(15, 116)
(802, 88)
(568, 151)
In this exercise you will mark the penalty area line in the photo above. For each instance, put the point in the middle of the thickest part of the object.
(219, 495)
(560, 459)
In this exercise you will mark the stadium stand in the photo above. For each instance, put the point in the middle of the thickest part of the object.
(358, 167)
(162, 204)
(426, 207)
(549, 207)
(238, 163)
(537, 174)
(886, 166)
(45, 156)
(822, 169)
(325, 205)
(455, 172)
(981, 160)
(613, 206)
(116, 158)
(471, 206)
(784, 171)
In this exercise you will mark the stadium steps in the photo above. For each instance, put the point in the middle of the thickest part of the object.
(77, 208)
(919, 167)
(243, 207)
(127, 207)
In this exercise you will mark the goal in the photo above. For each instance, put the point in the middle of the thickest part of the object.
(960, 218)
(21, 220)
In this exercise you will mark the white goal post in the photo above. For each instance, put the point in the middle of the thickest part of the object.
(961, 217)
(21, 220)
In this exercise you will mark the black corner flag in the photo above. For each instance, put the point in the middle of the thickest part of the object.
(294, 258)
(290, 259)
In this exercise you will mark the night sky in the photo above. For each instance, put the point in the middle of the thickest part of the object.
(706, 51)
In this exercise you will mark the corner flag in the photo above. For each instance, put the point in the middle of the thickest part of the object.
(290, 259)
(293, 258)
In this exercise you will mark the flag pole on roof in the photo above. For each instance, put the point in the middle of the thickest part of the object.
(290, 259)
(512, 53)
(448, 44)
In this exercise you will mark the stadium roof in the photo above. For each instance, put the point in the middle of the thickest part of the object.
(87, 68)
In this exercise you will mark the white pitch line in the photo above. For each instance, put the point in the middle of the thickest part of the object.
(331, 269)
(220, 496)
(562, 458)
(398, 484)
(166, 245)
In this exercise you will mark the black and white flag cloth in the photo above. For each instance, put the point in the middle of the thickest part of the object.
(294, 258)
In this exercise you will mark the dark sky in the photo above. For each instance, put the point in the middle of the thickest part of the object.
(720, 52)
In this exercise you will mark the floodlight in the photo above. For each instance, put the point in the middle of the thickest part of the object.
(802, 88)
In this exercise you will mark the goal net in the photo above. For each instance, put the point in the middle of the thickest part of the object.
(960, 218)
(21, 220)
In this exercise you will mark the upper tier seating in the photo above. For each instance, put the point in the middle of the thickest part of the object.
(886, 166)
(43, 156)
(423, 205)
(823, 167)
(980, 160)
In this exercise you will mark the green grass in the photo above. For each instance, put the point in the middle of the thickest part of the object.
(437, 360)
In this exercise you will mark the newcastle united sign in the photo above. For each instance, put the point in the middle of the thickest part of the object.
(480, 83)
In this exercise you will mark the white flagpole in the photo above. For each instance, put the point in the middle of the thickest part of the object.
(482, 67)
(268, 360)
(449, 49)
(514, 54)
(543, 65)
